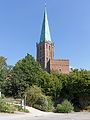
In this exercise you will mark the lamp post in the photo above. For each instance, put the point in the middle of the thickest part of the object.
(0, 94)
(24, 101)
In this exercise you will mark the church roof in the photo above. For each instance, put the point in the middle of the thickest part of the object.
(45, 32)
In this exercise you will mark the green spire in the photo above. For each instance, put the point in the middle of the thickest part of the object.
(45, 32)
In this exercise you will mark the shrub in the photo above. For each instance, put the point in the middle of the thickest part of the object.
(87, 108)
(6, 107)
(2, 96)
(65, 107)
(44, 103)
(37, 99)
(33, 94)
(10, 108)
(20, 109)
(50, 104)
(41, 103)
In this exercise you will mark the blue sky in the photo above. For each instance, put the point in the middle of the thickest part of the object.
(69, 21)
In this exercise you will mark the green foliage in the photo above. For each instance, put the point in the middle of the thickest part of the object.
(75, 87)
(51, 85)
(33, 94)
(6, 107)
(5, 73)
(41, 103)
(37, 99)
(65, 107)
(50, 106)
(10, 108)
(14, 81)
(25, 73)
(2, 96)
(20, 109)
(3, 69)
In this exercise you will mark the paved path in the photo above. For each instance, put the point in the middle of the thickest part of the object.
(39, 115)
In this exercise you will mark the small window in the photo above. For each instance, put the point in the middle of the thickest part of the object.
(40, 53)
(40, 60)
(43, 59)
(40, 47)
(49, 47)
(60, 70)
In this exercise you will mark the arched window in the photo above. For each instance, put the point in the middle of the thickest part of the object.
(60, 70)
(49, 47)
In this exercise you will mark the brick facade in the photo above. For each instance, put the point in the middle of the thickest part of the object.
(60, 66)
(45, 52)
(45, 56)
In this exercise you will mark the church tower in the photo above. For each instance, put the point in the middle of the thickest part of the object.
(45, 47)
(45, 51)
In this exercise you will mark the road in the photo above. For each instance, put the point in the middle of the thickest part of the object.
(46, 116)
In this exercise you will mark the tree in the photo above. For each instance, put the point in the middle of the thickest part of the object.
(75, 87)
(25, 73)
(51, 85)
(37, 99)
(3, 69)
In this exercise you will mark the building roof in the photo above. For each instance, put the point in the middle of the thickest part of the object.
(45, 32)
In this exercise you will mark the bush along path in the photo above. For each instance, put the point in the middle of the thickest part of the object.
(10, 108)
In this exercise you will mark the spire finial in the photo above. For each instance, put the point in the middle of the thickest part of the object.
(45, 3)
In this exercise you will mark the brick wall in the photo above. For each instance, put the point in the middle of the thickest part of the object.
(59, 65)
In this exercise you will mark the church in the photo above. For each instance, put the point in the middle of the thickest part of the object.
(45, 51)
